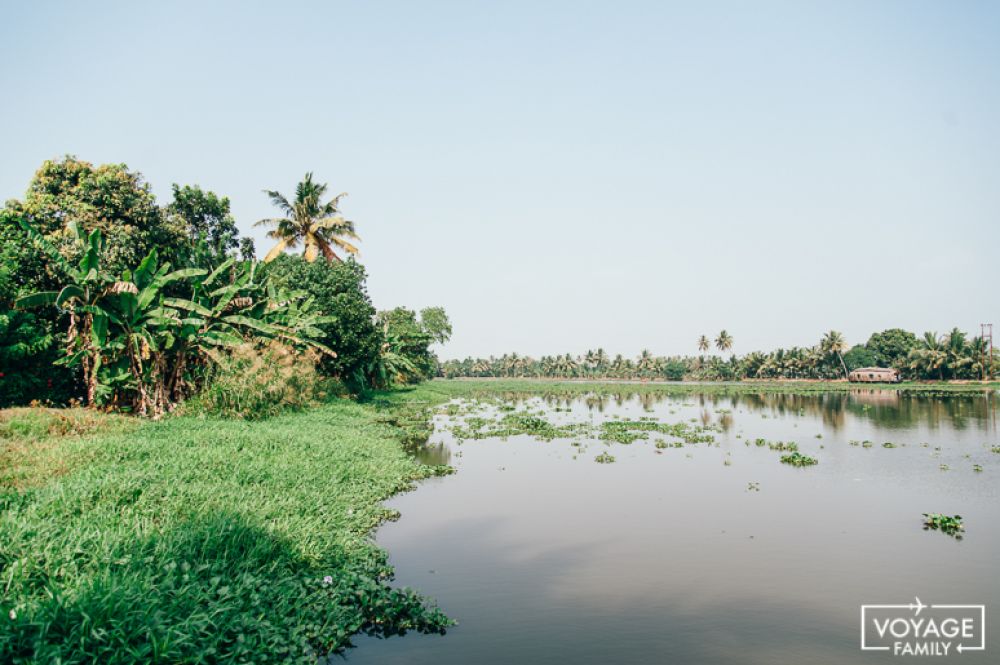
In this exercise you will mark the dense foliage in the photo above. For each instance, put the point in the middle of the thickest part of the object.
(109, 299)
(406, 355)
(337, 289)
(109, 198)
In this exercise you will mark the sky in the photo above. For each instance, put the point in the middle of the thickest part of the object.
(564, 175)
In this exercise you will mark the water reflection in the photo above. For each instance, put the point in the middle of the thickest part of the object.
(885, 408)
(434, 454)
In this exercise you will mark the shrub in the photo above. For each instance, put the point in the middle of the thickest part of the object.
(253, 382)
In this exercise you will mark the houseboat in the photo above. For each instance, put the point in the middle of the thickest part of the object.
(874, 375)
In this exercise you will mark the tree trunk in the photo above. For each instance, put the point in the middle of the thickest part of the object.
(844, 365)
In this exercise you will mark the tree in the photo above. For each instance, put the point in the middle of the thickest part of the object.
(80, 296)
(247, 250)
(435, 322)
(645, 362)
(109, 198)
(834, 343)
(929, 356)
(206, 220)
(860, 356)
(674, 370)
(338, 290)
(724, 341)
(318, 225)
(408, 337)
(891, 347)
(704, 343)
(29, 341)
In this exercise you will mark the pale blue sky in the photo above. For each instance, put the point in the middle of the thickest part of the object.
(564, 175)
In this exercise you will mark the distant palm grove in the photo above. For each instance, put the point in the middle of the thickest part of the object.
(951, 356)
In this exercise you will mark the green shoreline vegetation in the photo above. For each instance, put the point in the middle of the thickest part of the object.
(199, 539)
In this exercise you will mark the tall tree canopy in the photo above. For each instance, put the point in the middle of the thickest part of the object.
(109, 198)
(205, 218)
(892, 347)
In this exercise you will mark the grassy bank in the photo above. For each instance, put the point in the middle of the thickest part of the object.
(194, 540)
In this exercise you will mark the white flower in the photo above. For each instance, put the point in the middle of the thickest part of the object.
(13, 615)
(326, 581)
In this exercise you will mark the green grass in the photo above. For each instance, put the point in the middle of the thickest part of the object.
(201, 540)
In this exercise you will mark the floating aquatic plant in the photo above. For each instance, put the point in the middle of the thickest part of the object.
(889, 444)
(798, 459)
(790, 446)
(604, 458)
(949, 524)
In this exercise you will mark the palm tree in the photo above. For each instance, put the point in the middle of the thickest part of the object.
(833, 342)
(704, 343)
(958, 351)
(601, 359)
(318, 226)
(724, 341)
(929, 356)
(645, 363)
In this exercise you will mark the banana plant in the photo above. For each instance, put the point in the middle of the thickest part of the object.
(134, 341)
(146, 331)
(80, 298)
(392, 365)
(223, 313)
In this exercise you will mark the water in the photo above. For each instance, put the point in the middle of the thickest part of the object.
(673, 556)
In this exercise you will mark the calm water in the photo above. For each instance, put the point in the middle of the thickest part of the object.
(671, 556)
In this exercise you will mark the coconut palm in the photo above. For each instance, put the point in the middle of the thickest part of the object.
(645, 364)
(958, 351)
(930, 355)
(834, 343)
(704, 343)
(308, 220)
(724, 341)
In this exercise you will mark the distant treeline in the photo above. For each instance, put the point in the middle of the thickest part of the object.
(951, 356)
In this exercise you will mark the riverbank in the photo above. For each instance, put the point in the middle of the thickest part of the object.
(195, 539)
